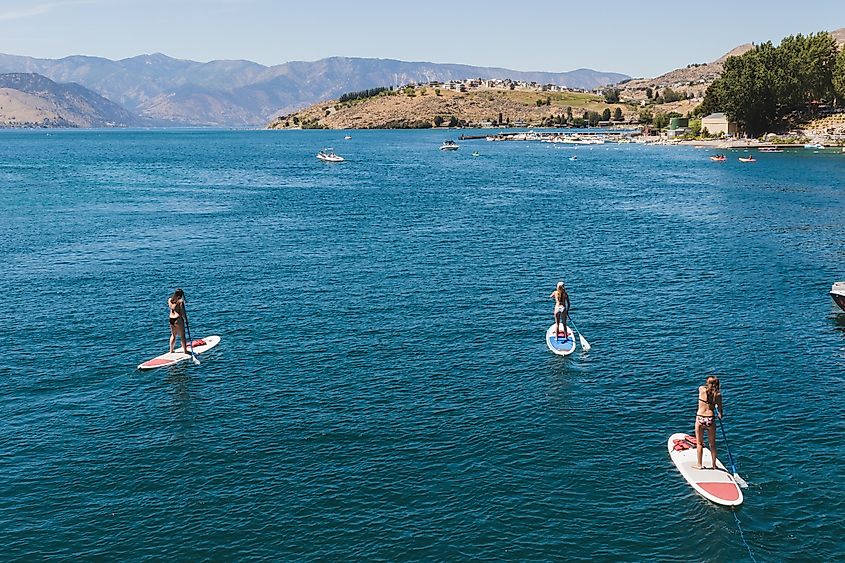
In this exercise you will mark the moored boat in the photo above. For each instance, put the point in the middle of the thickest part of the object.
(770, 149)
(837, 292)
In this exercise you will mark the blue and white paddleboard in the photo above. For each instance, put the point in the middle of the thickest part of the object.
(563, 345)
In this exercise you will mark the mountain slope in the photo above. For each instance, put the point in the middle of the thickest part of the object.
(245, 94)
(697, 77)
(30, 99)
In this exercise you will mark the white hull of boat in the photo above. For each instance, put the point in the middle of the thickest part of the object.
(837, 293)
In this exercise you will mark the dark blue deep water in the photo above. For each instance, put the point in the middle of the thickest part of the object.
(382, 391)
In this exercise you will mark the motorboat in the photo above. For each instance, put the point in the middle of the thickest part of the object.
(747, 159)
(813, 146)
(476, 153)
(837, 292)
(328, 155)
(347, 137)
(449, 146)
(718, 158)
(573, 158)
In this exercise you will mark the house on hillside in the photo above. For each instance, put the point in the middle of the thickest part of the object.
(717, 123)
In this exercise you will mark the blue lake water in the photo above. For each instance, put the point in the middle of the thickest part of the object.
(382, 390)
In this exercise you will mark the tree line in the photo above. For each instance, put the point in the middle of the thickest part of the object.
(768, 86)
(362, 94)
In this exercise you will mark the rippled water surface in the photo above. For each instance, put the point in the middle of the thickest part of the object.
(382, 390)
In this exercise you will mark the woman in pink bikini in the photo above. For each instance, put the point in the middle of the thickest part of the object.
(709, 399)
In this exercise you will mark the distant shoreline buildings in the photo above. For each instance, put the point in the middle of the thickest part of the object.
(468, 84)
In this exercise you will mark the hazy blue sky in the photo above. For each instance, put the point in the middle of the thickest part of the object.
(633, 37)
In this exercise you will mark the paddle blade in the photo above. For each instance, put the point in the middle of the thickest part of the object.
(584, 344)
(740, 481)
(195, 359)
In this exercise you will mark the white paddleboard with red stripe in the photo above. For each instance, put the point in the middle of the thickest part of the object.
(201, 345)
(716, 485)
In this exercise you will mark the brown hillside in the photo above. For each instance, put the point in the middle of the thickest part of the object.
(474, 107)
(19, 109)
(695, 78)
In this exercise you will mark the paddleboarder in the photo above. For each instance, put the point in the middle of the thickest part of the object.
(178, 317)
(709, 398)
(561, 298)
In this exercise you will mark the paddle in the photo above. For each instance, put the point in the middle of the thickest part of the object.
(190, 341)
(739, 480)
(584, 344)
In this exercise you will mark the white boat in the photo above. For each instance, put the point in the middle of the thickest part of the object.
(813, 146)
(576, 140)
(328, 155)
(449, 146)
(837, 292)
(347, 137)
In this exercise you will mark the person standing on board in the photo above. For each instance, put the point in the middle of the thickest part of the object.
(178, 317)
(709, 399)
(561, 308)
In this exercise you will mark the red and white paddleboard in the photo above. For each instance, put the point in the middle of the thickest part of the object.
(716, 485)
(201, 345)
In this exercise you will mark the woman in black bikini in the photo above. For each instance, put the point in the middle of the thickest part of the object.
(709, 399)
(176, 304)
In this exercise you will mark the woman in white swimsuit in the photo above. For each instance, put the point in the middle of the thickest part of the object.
(561, 308)
(709, 399)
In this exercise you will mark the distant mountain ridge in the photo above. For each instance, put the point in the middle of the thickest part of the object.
(238, 93)
(28, 99)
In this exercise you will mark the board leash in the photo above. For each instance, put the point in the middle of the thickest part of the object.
(742, 537)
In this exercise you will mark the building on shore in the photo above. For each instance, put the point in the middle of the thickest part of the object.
(717, 123)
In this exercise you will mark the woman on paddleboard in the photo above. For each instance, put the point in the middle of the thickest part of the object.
(178, 317)
(561, 308)
(709, 399)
